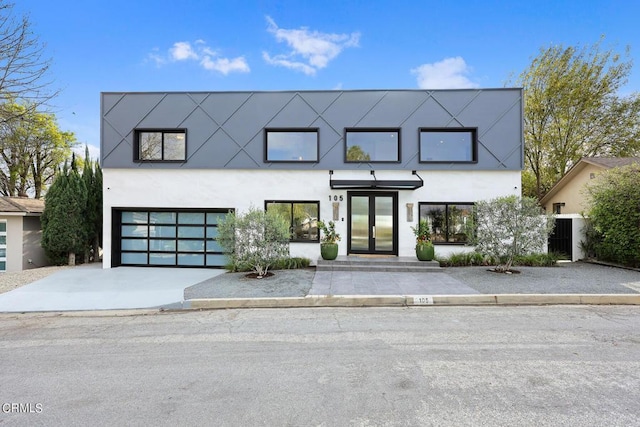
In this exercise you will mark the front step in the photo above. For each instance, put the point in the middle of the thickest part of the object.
(387, 264)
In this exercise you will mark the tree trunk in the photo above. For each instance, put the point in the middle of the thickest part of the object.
(72, 258)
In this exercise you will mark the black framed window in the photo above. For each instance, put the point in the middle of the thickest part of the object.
(448, 222)
(291, 145)
(372, 145)
(448, 145)
(153, 145)
(302, 217)
(557, 208)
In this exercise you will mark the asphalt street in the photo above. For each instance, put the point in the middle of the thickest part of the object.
(463, 366)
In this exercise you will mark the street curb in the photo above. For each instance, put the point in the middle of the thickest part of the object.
(412, 300)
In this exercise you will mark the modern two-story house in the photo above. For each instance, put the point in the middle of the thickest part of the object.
(374, 161)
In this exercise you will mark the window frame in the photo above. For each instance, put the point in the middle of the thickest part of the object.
(446, 219)
(474, 143)
(292, 202)
(136, 148)
(4, 246)
(291, 130)
(557, 207)
(377, 130)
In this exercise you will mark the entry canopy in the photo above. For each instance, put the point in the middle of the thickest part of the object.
(374, 183)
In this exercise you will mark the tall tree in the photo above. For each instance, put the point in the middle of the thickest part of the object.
(23, 66)
(92, 177)
(574, 109)
(64, 233)
(32, 147)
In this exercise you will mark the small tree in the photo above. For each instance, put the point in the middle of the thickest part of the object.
(615, 214)
(511, 226)
(257, 239)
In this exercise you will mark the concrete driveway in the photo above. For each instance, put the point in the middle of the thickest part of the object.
(89, 287)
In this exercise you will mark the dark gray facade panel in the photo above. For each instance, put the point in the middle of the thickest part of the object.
(225, 130)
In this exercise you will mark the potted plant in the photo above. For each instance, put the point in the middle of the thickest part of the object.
(424, 246)
(329, 240)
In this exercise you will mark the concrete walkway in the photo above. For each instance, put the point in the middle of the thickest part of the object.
(93, 288)
(89, 287)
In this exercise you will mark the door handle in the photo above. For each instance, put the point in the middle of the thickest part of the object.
(373, 231)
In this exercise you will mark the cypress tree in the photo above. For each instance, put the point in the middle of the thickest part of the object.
(93, 206)
(97, 195)
(63, 221)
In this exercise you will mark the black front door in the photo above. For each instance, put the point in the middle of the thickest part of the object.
(373, 222)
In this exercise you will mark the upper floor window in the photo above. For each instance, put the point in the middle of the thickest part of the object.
(448, 145)
(161, 145)
(448, 222)
(291, 145)
(372, 145)
(302, 217)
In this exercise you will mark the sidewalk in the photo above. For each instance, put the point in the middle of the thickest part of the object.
(93, 288)
(568, 283)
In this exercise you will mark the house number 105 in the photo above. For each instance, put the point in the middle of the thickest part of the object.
(335, 198)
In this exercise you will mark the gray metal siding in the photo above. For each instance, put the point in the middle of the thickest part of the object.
(225, 129)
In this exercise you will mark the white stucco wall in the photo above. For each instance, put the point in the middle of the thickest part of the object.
(239, 189)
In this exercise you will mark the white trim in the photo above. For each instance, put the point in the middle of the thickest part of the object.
(4, 246)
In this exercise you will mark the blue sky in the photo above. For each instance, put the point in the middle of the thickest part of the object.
(198, 45)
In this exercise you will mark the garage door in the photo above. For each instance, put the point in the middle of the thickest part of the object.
(177, 238)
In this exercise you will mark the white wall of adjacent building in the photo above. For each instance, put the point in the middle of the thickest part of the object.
(241, 189)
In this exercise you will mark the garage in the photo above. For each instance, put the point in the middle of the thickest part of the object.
(167, 237)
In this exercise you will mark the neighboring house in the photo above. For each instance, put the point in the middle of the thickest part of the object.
(567, 199)
(20, 234)
(568, 196)
(375, 161)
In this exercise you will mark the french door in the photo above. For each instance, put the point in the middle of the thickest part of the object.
(373, 222)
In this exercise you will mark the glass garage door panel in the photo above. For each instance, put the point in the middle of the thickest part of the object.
(359, 223)
(171, 238)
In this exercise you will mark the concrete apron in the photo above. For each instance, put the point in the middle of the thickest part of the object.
(412, 300)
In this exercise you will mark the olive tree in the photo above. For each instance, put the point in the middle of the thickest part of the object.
(257, 239)
(511, 226)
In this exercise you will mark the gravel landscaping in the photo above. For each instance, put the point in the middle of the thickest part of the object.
(13, 280)
(566, 278)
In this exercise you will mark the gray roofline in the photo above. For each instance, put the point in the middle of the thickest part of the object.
(310, 91)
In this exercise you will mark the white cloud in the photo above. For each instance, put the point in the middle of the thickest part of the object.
(199, 52)
(310, 50)
(224, 65)
(283, 61)
(450, 73)
(182, 51)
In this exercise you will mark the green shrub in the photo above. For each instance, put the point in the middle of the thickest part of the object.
(615, 215)
(282, 264)
(537, 260)
(466, 259)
